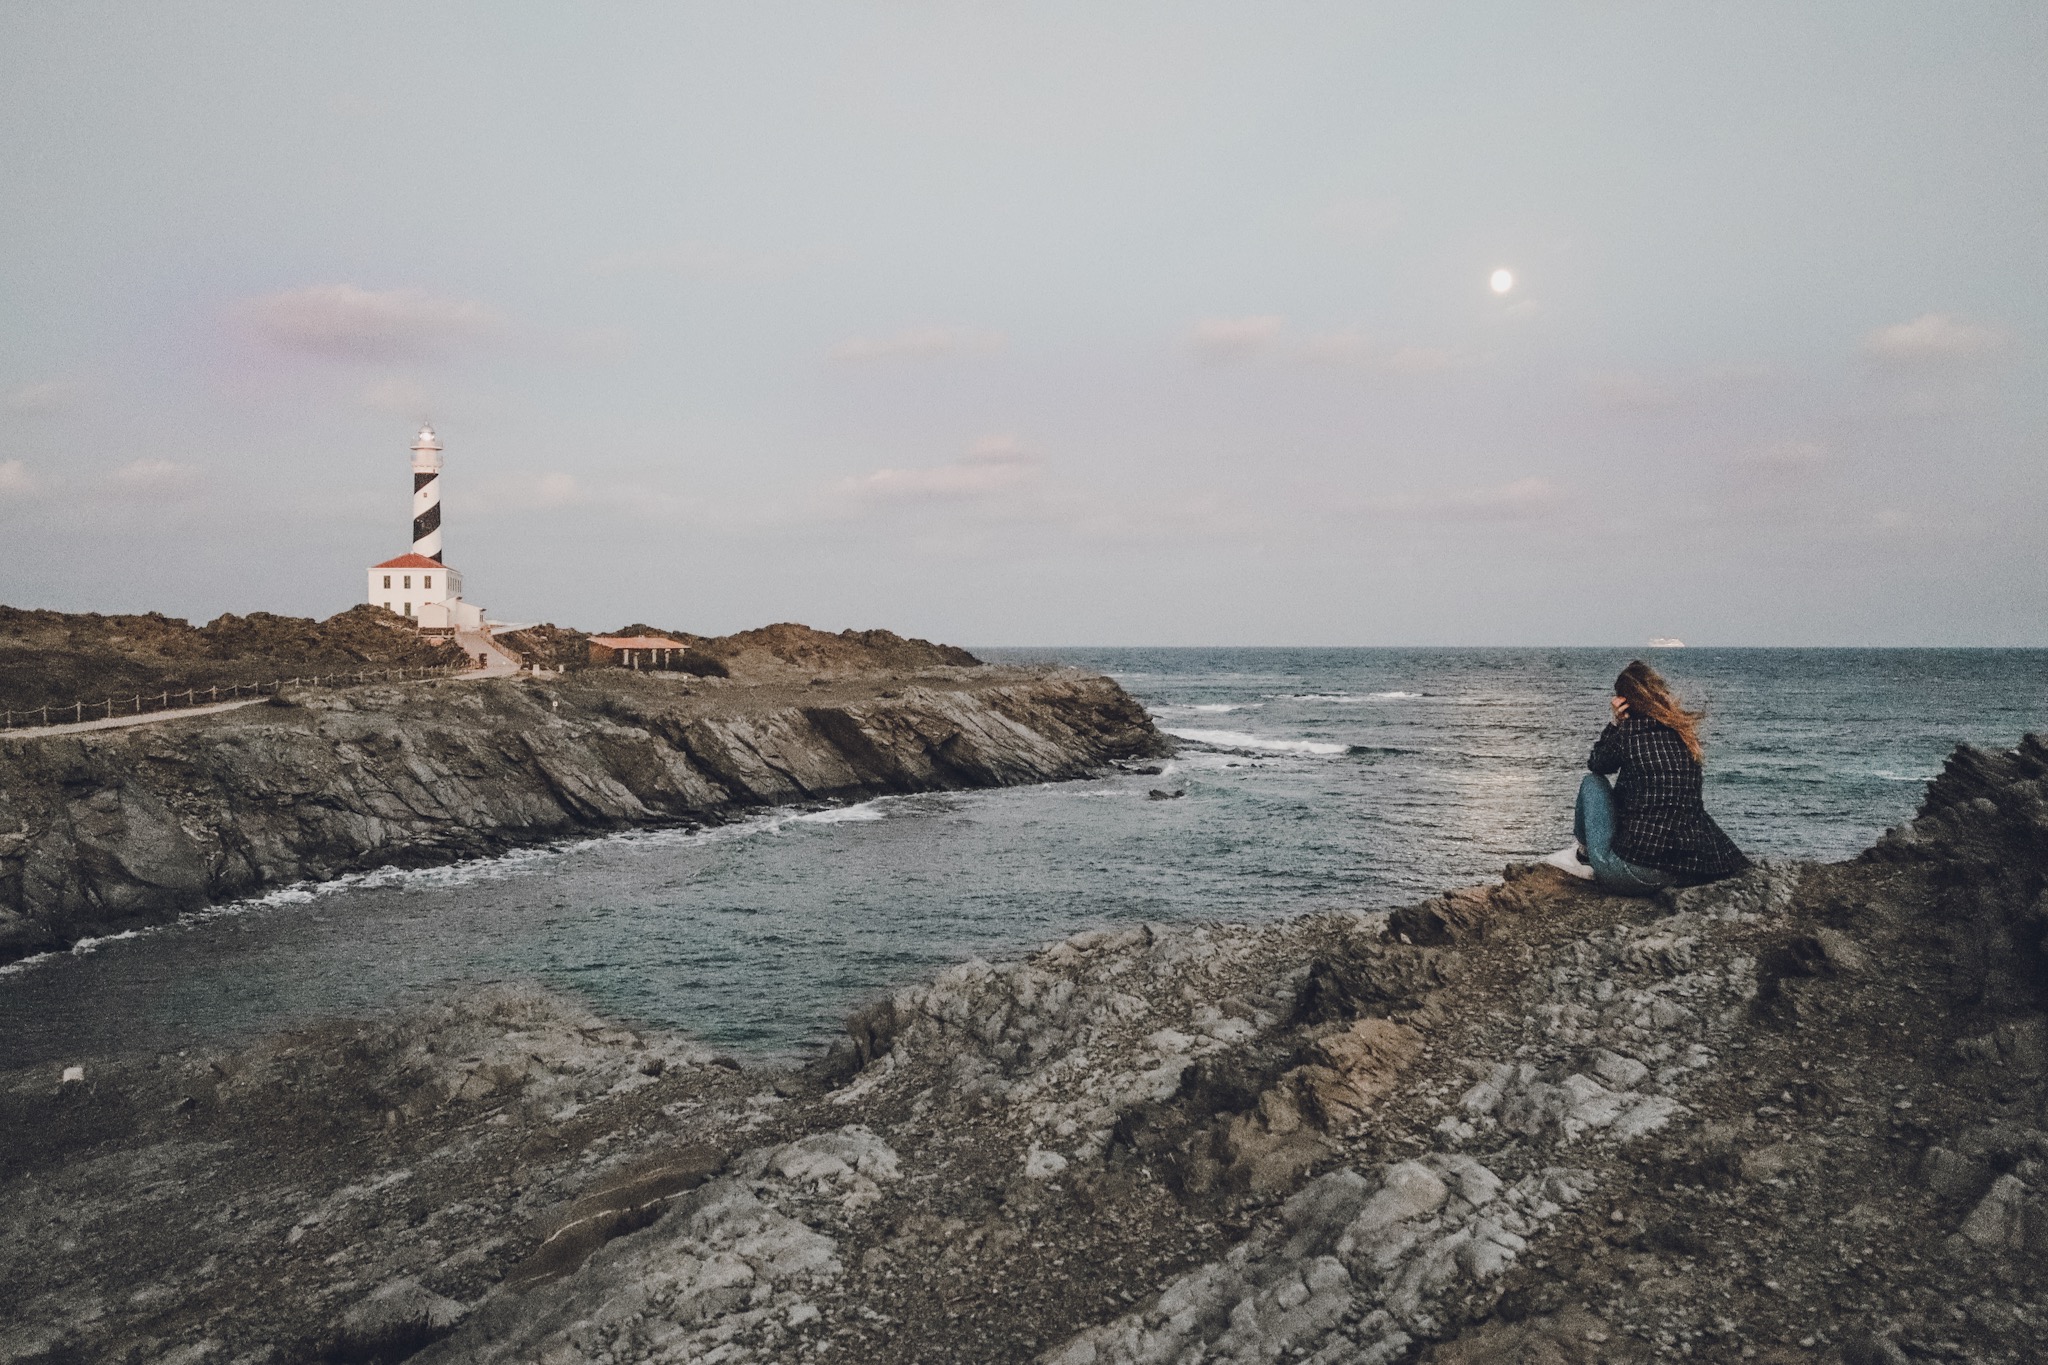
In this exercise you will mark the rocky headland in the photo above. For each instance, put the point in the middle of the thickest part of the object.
(55, 658)
(102, 831)
(1800, 1116)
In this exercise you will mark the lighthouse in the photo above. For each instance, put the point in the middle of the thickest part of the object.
(419, 585)
(426, 496)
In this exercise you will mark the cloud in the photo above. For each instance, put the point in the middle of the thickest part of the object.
(1218, 340)
(543, 492)
(1933, 338)
(15, 480)
(1354, 350)
(1786, 456)
(1215, 339)
(557, 490)
(1783, 481)
(993, 465)
(601, 343)
(153, 480)
(919, 343)
(712, 261)
(400, 397)
(1631, 393)
(48, 396)
(1356, 221)
(1625, 391)
(345, 322)
(1517, 500)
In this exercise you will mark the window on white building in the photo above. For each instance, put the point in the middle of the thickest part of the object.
(408, 609)
(387, 606)
(387, 583)
(427, 582)
(408, 580)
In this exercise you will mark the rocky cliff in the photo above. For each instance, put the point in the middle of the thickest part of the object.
(1800, 1116)
(103, 830)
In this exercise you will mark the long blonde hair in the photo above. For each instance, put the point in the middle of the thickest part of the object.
(1647, 694)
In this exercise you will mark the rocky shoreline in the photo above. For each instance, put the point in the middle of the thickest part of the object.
(1798, 1116)
(105, 831)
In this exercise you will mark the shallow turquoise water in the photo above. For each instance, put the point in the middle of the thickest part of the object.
(1313, 778)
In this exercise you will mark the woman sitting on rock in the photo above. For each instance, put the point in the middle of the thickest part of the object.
(1650, 830)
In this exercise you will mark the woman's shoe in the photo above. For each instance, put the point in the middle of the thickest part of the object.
(1570, 862)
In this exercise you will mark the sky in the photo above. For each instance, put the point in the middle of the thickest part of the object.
(1040, 323)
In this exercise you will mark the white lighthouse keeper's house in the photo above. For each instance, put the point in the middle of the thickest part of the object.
(418, 585)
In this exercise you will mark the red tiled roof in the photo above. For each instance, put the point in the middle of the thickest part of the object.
(409, 561)
(637, 642)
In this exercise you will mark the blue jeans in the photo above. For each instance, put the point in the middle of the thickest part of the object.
(1593, 824)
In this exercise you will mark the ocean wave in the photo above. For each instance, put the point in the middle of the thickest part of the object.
(1351, 698)
(91, 945)
(1237, 739)
(1214, 708)
(860, 813)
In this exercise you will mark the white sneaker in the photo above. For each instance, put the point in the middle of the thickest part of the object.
(1566, 859)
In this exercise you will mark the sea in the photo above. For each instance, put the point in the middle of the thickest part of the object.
(1307, 780)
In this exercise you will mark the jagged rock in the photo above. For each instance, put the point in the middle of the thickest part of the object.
(2000, 1222)
(1369, 978)
(1357, 1066)
(668, 1289)
(1130, 1146)
(1954, 1176)
(393, 1322)
(627, 1202)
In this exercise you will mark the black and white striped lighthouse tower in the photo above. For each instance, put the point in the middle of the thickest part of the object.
(421, 585)
(426, 495)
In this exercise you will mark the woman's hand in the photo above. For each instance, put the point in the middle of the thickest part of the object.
(1619, 707)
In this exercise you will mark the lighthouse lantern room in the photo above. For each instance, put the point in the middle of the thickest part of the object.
(418, 585)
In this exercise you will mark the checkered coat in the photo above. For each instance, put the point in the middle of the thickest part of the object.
(1663, 822)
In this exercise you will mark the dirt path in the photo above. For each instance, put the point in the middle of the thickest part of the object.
(502, 665)
(123, 722)
(501, 662)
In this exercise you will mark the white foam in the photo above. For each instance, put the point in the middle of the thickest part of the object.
(89, 945)
(842, 815)
(1237, 739)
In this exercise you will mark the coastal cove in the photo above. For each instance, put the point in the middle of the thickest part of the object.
(1313, 779)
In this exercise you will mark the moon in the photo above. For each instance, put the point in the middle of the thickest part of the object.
(1502, 281)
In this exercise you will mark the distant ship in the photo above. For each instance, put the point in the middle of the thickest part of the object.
(1665, 642)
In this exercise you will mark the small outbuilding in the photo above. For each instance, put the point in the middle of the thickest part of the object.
(636, 651)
